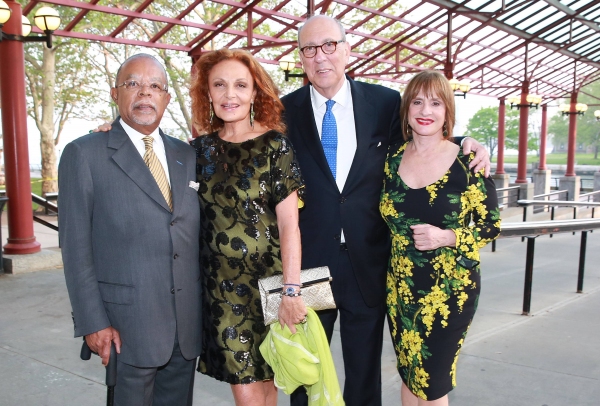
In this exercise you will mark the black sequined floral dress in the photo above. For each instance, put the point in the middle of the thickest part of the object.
(240, 185)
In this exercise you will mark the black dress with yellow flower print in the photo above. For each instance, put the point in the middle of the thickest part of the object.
(432, 295)
(240, 185)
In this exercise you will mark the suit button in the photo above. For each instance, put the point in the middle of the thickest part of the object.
(173, 223)
(342, 199)
(175, 256)
(172, 291)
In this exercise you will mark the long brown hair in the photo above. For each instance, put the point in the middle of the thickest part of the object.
(267, 106)
(431, 83)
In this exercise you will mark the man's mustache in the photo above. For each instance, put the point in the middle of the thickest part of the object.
(138, 104)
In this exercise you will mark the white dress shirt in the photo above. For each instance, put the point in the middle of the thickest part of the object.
(343, 111)
(158, 145)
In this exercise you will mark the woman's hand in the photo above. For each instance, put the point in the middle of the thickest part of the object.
(428, 237)
(292, 311)
(482, 156)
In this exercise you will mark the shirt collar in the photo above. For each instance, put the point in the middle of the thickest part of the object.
(136, 134)
(341, 97)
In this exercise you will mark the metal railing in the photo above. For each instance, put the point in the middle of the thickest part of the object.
(48, 207)
(533, 229)
(548, 197)
(586, 198)
(553, 204)
(509, 194)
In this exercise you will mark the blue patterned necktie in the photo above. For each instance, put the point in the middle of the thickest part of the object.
(329, 137)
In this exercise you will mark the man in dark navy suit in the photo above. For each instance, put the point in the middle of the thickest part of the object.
(341, 130)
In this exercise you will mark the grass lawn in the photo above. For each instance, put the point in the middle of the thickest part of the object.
(554, 159)
(36, 187)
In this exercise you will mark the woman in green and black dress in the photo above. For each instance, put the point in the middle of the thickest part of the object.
(249, 183)
(440, 214)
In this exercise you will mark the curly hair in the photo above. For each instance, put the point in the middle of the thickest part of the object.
(430, 82)
(268, 108)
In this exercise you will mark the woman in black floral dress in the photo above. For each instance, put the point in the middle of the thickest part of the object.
(439, 213)
(249, 185)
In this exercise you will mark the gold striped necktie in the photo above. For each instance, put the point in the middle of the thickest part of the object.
(157, 170)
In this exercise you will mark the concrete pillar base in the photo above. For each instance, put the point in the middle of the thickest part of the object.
(525, 193)
(571, 184)
(541, 181)
(541, 185)
(44, 259)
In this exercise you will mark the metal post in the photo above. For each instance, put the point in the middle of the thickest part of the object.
(3, 201)
(543, 137)
(552, 216)
(528, 275)
(494, 246)
(523, 128)
(524, 219)
(581, 261)
(572, 144)
(501, 137)
(21, 239)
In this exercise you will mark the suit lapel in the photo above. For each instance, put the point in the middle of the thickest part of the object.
(177, 172)
(363, 114)
(129, 160)
(307, 128)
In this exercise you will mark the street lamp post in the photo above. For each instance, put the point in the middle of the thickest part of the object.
(287, 63)
(21, 239)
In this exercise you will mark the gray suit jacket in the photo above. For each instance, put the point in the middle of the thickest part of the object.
(129, 262)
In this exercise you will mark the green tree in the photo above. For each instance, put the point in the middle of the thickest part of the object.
(483, 126)
(588, 128)
(60, 86)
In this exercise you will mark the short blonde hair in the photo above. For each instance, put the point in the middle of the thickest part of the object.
(431, 83)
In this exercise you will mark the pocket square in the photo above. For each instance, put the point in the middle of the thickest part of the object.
(194, 185)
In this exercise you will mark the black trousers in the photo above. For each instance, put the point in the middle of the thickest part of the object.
(361, 332)
(169, 385)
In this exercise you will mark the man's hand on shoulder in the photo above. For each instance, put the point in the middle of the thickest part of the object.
(99, 342)
(102, 128)
(482, 157)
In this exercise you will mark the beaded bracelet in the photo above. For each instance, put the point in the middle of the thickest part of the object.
(295, 294)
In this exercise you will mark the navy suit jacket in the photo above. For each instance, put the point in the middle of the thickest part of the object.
(356, 207)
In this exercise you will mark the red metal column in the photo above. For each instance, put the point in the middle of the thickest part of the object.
(16, 154)
(543, 137)
(523, 125)
(572, 137)
(501, 137)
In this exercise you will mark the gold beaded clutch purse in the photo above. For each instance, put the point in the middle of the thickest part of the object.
(315, 288)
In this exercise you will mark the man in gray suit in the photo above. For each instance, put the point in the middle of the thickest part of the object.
(129, 228)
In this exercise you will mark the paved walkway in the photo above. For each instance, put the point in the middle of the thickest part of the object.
(550, 358)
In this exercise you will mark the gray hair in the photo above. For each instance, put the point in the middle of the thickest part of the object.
(338, 22)
(137, 56)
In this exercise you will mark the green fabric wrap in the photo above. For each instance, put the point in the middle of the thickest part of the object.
(303, 359)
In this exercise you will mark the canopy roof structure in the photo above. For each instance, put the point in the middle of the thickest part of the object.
(496, 45)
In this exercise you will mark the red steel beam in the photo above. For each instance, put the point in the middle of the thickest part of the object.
(78, 17)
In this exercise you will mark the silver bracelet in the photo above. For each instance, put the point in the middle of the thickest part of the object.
(290, 292)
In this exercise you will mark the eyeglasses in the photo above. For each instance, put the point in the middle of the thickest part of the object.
(328, 48)
(137, 86)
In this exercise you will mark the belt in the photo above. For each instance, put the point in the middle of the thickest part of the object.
(343, 247)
